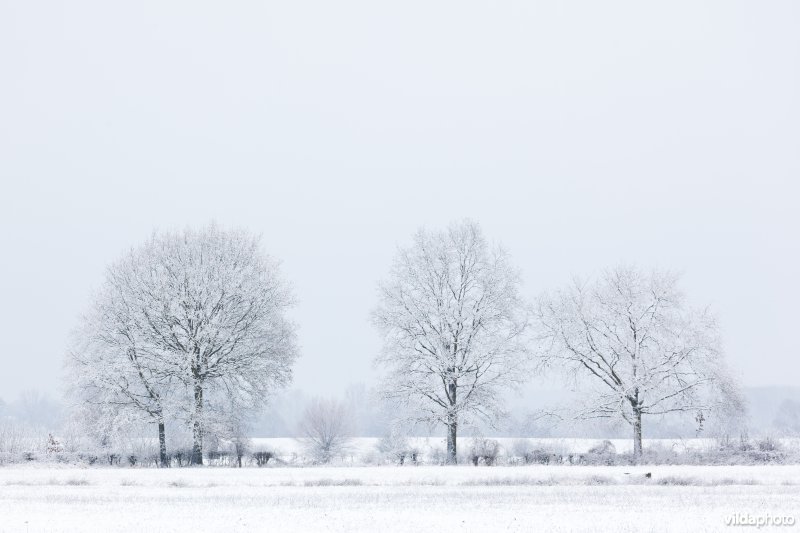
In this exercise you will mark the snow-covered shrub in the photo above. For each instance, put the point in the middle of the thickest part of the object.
(744, 450)
(652, 454)
(484, 451)
(664, 455)
(220, 458)
(181, 456)
(606, 447)
(240, 446)
(769, 444)
(542, 457)
(53, 445)
(528, 453)
(604, 453)
(262, 457)
(396, 448)
(140, 451)
(729, 444)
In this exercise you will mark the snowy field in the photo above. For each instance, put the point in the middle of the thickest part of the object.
(530, 498)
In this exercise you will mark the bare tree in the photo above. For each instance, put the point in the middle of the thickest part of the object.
(635, 349)
(204, 314)
(453, 324)
(326, 428)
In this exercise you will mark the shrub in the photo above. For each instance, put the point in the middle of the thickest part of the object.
(181, 456)
(484, 451)
(604, 448)
(604, 453)
(769, 444)
(538, 453)
(395, 447)
(219, 458)
(262, 457)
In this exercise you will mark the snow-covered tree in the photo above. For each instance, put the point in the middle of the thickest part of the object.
(112, 368)
(200, 315)
(326, 428)
(453, 323)
(396, 446)
(635, 349)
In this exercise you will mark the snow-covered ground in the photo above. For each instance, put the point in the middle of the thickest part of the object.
(541, 498)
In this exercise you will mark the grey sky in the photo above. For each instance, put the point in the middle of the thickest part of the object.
(578, 134)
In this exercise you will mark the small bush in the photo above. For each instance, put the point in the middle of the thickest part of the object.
(605, 453)
(221, 458)
(181, 456)
(524, 450)
(539, 456)
(484, 451)
(262, 457)
(395, 447)
(769, 444)
(606, 447)
(89, 459)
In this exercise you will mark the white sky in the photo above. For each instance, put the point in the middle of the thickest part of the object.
(578, 134)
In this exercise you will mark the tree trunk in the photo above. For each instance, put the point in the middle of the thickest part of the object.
(452, 427)
(197, 427)
(637, 435)
(162, 446)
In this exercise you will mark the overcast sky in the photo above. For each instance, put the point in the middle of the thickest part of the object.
(578, 134)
